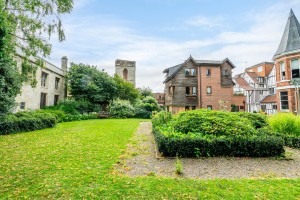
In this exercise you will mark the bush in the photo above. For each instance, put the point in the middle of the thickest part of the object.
(285, 123)
(213, 123)
(188, 146)
(258, 120)
(141, 113)
(26, 121)
(74, 107)
(161, 119)
(121, 109)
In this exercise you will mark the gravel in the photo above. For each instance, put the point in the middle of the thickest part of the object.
(140, 159)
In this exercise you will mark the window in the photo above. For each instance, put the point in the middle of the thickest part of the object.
(284, 100)
(190, 91)
(263, 107)
(193, 107)
(261, 85)
(56, 97)
(190, 72)
(187, 107)
(208, 90)
(209, 107)
(22, 105)
(261, 91)
(259, 69)
(208, 72)
(43, 101)
(260, 79)
(44, 79)
(271, 90)
(295, 68)
(172, 90)
(282, 71)
(125, 74)
(225, 72)
(56, 83)
(274, 107)
(242, 107)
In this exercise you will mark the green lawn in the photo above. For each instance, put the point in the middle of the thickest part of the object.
(74, 160)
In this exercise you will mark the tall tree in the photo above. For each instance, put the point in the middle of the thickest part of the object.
(88, 83)
(126, 90)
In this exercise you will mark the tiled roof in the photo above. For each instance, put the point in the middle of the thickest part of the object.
(243, 83)
(290, 41)
(171, 71)
(269, 99)
(253, 76)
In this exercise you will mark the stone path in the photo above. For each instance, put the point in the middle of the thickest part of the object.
(140, 160)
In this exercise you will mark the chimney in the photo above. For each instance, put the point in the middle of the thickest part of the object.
(64, 64)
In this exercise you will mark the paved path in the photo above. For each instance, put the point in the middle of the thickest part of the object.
(140, 160)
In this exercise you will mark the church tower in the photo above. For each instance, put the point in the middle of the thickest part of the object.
(126, 70)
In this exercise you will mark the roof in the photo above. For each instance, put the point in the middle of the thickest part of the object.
(253, 76)
(173, 70)
(269, 99)
(290, 41)
(243, 83)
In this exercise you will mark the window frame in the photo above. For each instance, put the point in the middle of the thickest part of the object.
(282, 71)
(44, 79)
(190, 72)
(22, 105)
(281, 100)
(207, 89)
(208, 72)
(57, 80)
(293, 69)
(209, 107)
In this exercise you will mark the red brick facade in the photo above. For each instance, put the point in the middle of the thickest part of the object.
(286, 84)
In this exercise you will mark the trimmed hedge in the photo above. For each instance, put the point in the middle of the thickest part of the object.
(257, 120)
(256, 146)
(26, 121)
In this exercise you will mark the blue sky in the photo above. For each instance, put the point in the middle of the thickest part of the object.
(158, 34)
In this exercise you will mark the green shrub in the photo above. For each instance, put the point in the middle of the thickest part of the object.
(212, 122)
(161, 119)
(140, 112)
(188, 146)
(258, 120)
(26, 121)
(285, 123)
(121, 109)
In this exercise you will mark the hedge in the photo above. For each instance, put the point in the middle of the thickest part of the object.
(26, 121)
(255, 146)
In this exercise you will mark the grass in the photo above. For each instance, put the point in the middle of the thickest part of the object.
(75, 160)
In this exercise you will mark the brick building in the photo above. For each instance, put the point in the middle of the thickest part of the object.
(199, 84)
(160, 98)
(287, 66)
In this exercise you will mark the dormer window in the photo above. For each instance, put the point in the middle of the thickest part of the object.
(190, 72)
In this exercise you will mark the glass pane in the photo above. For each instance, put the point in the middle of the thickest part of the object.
(295, 73)
(282, 67)
(193, 72)
(194, 91)
(295, 64)
(187, 90)
(187, 72)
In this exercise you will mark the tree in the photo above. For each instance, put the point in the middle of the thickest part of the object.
(9, 76)
(145, 91)
(88, 83)
(126, 90)
(24, 25)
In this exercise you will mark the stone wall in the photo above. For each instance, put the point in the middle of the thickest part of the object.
(123, 65)
(32, 96)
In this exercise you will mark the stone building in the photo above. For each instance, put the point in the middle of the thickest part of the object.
(126, 70)
(287, 66)
(199, 84)
(50, 88)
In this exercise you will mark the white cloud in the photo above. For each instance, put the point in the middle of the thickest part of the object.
(205, 22)
(99, 40)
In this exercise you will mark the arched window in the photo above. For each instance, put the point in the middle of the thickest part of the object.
(125, 74)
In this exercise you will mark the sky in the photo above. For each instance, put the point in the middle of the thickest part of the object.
(159, 34)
